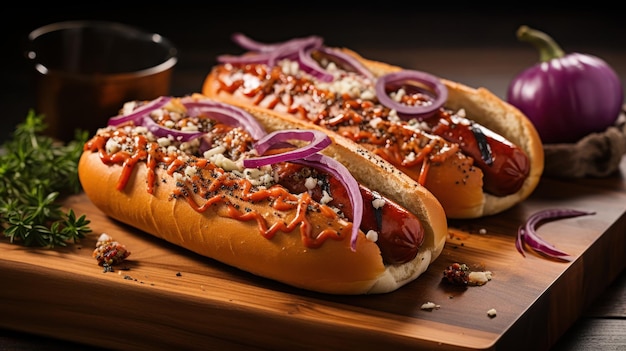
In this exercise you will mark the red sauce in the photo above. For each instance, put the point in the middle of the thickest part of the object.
(212, 186)
(345, 115)
(393, 139)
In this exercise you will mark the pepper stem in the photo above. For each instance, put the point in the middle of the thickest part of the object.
(548, 48)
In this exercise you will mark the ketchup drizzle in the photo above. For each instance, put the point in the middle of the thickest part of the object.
(349, 117)
(504, 165)
(212, 186)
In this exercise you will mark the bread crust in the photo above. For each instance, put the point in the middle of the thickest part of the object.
(332, 268)
(479, 104)
(484, 107)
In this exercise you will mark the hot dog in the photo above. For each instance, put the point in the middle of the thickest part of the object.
(477, 154)
(205, 176)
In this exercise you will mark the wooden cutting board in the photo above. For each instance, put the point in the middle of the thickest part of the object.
(165, 297)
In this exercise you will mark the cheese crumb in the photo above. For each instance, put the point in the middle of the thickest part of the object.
(372, 235)
(310, 183)
(429, 306)
(326, 198)
(378, 203)
(492, 313)
(479, 278)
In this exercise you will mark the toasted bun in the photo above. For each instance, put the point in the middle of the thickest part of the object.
(480, 105)
(487, 109)
(332, 268)
(484, 107)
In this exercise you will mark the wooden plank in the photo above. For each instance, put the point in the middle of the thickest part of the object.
(170, 297)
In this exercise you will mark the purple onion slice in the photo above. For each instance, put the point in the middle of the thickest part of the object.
(138, 113)
(527, 234)
(424, 82)
(226, 114)
(309, 156)
(317, 142)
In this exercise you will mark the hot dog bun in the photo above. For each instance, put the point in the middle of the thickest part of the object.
(454, 182)
(331, 268)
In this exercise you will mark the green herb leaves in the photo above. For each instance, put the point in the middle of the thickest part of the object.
(35, 171)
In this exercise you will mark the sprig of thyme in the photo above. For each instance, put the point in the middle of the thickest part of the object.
(35, 172)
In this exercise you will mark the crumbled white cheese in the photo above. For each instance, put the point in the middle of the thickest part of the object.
(330, 66)
(178, 177)
(224, 162)
(347, 85)
(492, 313)
(112, 146)
(259, 176)
(190, 147)
(410, 157)
(368, 94)
(189, 127)
(372, 235)
(190, 171)
(172, 149)
(289, 67)
(393, 116)
(128, 107)
(250, 82)
(398, 95)
(104, 237)
(479, 278)
(175, 116)
(375, 121)
(157, 114)
(169, 124)
(378, 203)
(326, 198)
(218, 150)
(419, 125)
(430, 306)
(164, 142)
(310, 183)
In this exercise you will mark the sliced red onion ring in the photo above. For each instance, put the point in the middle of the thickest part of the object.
(527, 233)
(309, 156)
(298, 49)
(264, 57)
(253, 45)
(413, 78)
(270, 53)
(138, 113)
(519, 240)
(346, 60)
(309, 65)
(293, 49)
(226, 114)
(339, 171)
(250, 44)
(161, 131)
(317, 142)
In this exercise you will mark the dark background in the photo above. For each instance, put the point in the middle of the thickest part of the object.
(200, 32)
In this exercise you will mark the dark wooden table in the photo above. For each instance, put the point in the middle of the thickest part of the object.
(478, 49)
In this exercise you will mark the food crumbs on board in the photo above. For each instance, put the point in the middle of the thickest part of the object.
(479, 278)
(491, 313)
(109, 252)
(462, 275)
(429, 306)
